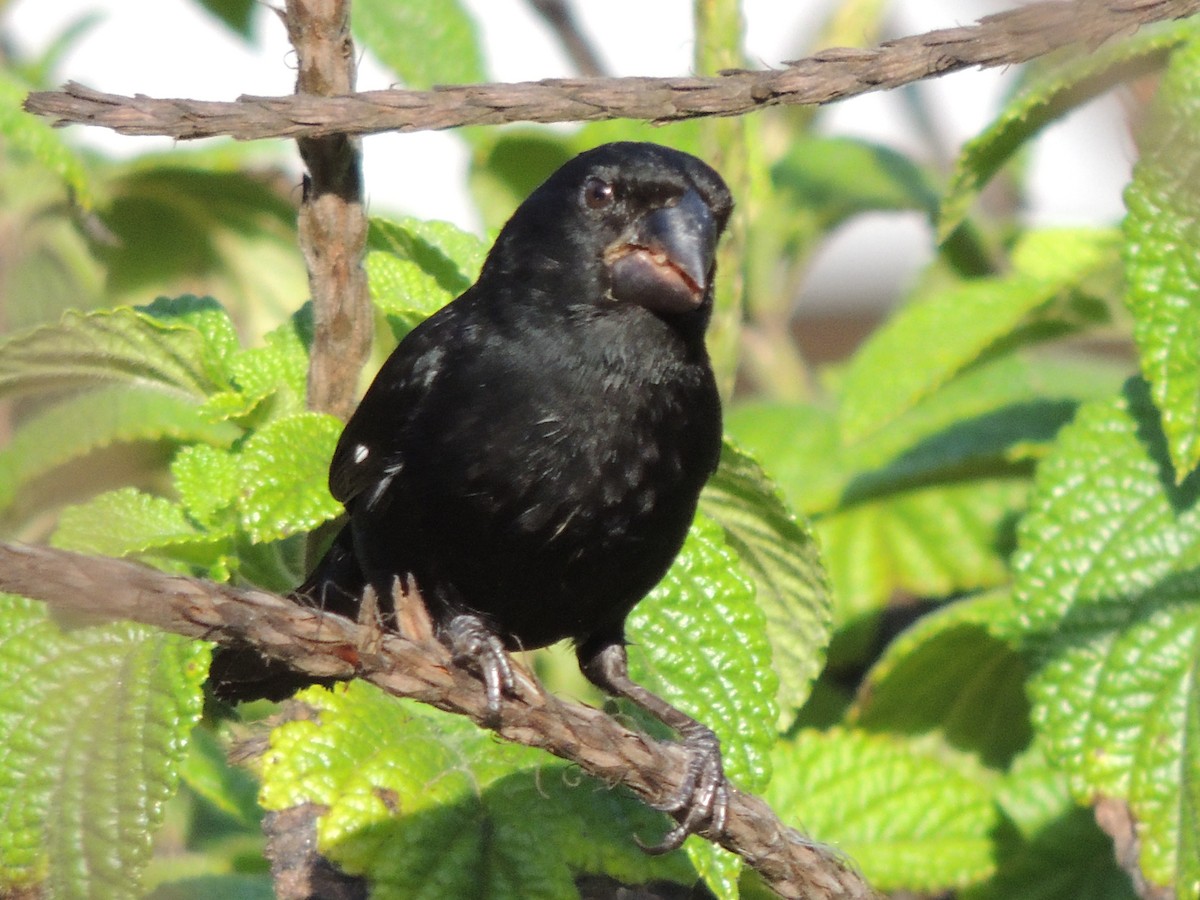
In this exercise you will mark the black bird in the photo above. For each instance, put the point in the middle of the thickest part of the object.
(532, 454)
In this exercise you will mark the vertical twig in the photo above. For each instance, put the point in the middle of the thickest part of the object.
(561, 20)
(728, 145)
(333, 223)
(333, 239)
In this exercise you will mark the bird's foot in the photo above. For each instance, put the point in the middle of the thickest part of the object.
(701, 801)
(477, 647)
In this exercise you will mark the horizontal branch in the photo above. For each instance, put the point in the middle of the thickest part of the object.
(325, 645)
(1003, 39)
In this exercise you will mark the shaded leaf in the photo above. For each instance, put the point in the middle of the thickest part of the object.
(509, 163)
(237, 14)
(191, 223)
(838, 177)
(785, 563)
(514, 161)
(425, 804)
(231, 789)
(67, 431)
(216, 887)
(1049, 848)
(987, 419)
(955, 674)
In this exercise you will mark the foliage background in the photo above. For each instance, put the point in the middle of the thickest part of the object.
(992, 633)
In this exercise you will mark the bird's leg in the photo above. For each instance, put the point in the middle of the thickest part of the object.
(474, 645)
(702, 798)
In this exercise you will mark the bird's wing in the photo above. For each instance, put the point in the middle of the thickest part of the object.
(369, 452)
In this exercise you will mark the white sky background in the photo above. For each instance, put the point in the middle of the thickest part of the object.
(171, 48)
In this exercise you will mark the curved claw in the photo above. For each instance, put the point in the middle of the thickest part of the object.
(703, 795)
(474, 645)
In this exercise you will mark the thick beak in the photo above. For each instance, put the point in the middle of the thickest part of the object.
(663, 262)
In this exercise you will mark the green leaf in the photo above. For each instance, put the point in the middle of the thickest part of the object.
(718, 868)
(925, 506)
(784, 561)
(93, 725)
(953, 673)
(415, 268)
(911, 815)
(168, 347)
(206, 316)
(927, 542)
(237, 14)
(1046, 99)
(1162, 272)
(68, 431)
(35, 138)
(279, 369)
(838, 177)
(957, 326)
(1106, 580)
(426, 805)
(207, 481)
(987, 420)
(425, 42)
(699, 641)
(125, 521)
(282, 473)
(798, 444)
(881, 386)
(453, 257)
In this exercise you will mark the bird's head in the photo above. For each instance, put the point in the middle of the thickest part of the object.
(621, 224)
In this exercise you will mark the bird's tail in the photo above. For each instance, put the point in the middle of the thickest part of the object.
(241, 673)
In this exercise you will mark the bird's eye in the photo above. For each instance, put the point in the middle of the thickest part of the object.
(597, 193)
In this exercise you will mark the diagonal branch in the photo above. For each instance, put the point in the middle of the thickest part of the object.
(325, 645)
(1007, 38)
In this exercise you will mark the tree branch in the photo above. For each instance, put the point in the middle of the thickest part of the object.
(332, 223)
(1004, 39)
(418, 666)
